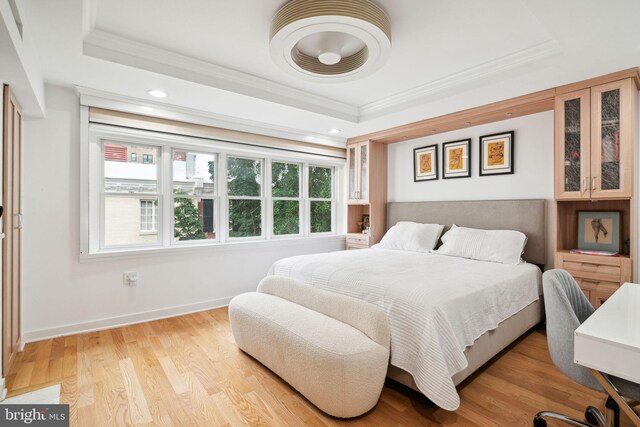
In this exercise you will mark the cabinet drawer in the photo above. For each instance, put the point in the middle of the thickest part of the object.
(597, 291)
(593, 268)
(356, 246)
(358, 239)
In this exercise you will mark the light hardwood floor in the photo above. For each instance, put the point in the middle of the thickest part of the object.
(187, 371)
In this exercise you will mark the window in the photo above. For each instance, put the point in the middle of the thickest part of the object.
(244, 190)
(194, 194)
(148, 189)
(130, 197)
(148, 216)
(321, 199)
(285, 193)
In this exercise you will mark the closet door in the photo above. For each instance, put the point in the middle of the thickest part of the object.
(12, 229)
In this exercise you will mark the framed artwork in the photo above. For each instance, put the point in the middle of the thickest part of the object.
(456, 159)
(599, 231)
(425, 163)
(496, 154)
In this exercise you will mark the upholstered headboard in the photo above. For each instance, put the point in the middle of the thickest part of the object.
(527, 216)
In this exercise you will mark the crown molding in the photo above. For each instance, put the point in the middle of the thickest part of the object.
(111, 47)
(107, 100)
(114, 48)
(421, 94)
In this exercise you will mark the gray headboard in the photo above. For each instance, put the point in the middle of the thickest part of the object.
(526, 216)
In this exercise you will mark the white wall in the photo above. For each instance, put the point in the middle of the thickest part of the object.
(62, 295)
(533, 177)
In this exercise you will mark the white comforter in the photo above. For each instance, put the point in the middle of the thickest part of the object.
(437, 305)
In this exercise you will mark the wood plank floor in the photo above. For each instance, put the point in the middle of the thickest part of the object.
(187, 371)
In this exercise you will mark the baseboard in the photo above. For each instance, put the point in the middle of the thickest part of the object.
(129, 319)
(3, 390)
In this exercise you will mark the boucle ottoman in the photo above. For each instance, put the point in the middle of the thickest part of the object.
(332, 348)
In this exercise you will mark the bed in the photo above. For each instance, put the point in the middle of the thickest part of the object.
(448, 316)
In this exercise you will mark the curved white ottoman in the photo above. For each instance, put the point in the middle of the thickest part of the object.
(331, 348)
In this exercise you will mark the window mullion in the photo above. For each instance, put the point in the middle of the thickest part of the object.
(223, 210)
(165, 221)
(267, 203)
(304, 208)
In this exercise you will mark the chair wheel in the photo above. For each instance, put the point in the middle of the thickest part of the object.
(591, 419)
(539, 422)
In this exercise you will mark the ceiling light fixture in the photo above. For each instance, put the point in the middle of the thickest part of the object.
(330, 40)
(157, 93)
(335, 130)
(311, 137)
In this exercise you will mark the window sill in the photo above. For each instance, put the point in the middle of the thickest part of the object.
(237, 246)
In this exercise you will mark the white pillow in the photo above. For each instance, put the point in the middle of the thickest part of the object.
(411, 236)
(503, 246)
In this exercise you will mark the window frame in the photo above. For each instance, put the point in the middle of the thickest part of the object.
(332, 199)
(215, 197)
(103, 194)
(271, 198)
(260, 197)
(92, 185)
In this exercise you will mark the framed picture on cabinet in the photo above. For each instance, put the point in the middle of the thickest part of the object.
(456, 159)
(496, 154)
(425, 163)
(599, 231)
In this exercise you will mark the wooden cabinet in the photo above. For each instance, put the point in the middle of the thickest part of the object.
(595, 137)
(367, 192)
(357, 241)
(598, 276)
(594, 140)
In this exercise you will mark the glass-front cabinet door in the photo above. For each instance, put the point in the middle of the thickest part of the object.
(352, 158)
(612, 121)
(358, 171)
(363, 172)
(572, 152)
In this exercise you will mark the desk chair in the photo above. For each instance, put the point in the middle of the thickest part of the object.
(566, 308)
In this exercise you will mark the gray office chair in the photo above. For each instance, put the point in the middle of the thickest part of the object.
(566, 308)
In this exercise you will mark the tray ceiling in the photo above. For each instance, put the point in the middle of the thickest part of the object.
(216, 54)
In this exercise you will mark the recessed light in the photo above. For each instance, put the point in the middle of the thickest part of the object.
(157, 93)
(334, 130)
(311, 137)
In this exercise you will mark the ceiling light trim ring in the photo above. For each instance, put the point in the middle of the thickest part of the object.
(360, 19)
(360, 9)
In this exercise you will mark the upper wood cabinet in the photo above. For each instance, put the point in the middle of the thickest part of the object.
(367, 192)
(358, 160)
(595, 134)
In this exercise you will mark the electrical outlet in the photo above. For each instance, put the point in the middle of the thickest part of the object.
(130, 278)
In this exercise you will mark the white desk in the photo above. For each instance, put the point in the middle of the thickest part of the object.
(609, 342)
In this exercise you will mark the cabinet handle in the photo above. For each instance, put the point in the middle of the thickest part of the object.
(585, 182)
(19, 221)
(593, 183)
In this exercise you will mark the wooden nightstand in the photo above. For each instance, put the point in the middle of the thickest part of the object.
(357, 241)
